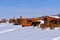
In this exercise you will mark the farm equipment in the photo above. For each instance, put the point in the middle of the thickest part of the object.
(43, 22)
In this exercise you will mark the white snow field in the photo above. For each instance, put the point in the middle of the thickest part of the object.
(56, 38)
(13, 32)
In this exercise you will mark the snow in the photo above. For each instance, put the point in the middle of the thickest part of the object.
(4, 24)
(8, 30)
(55, 16)
(56, 38)
(42, 21)
(14, 32)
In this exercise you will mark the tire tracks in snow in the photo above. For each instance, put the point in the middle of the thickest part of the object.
(8, 30)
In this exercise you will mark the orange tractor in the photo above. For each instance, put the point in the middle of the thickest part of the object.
(49, 22)
(25, 21)
(3, 21)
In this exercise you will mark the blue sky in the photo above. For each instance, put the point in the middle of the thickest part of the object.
(28, 8)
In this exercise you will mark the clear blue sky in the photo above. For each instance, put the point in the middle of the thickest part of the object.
(28, 8)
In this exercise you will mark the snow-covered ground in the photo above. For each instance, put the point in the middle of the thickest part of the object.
(56, 38)
(13, 32)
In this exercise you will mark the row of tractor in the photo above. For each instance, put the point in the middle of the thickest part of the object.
(42, 22)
